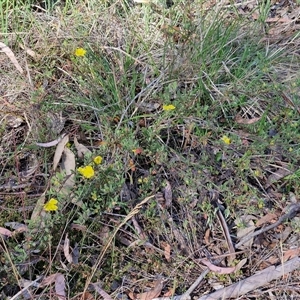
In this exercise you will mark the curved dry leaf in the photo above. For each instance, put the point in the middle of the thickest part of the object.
(240, 120)
(81, 149)
(68, 165)
(241, 232)
(38, 209)
(11, 56)
(217, 269)
(167, 251)
(49, 279)
(13, 121)
(291, 253)
(60, 287)
(168, 194)
(59, 151)
(5, 232)
(50, 144)
(67, 254)
(101, 292)
(240, 265)
(153, 293)
(266, 219)
(276, 176)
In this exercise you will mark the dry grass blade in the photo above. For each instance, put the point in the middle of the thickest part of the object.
(10, 54)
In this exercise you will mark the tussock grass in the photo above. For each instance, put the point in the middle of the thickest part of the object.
(223, 77)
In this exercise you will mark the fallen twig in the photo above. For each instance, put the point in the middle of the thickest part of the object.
(253, 282)
(293, 211)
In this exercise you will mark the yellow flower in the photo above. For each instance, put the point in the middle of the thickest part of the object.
(86, 172)
(51, 205)
(80, 52)
(98, 160)
(226, 140)
(168, 107)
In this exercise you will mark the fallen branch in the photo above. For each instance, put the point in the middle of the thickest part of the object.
(253, 282)
(293, 211)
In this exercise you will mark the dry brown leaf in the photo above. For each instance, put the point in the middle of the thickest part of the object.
(30, 52)
(248, 229)
(170, 292)
(49, 280)
(59, 151)
(290, 254)
(240, 120)
(153, 293)
(275, 176)
(78, 227)
(131, 295)
(167, 251)
(50, 144)
(148, 107)
(216, 269)
(13, 121)
(5, 232)
(240, 265)
(266, 219)
(81, 149)
(68, 165)
(139, 230)
(38, 211)
(168, 194)
(105, 295)
(67, 254)
(60, 287)
(5, 49)
(207, 237)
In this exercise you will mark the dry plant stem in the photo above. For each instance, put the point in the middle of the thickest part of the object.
(186, 295)
(135, 211)
(253, 282)
(227, 235)
(293, 211)
(33, 283)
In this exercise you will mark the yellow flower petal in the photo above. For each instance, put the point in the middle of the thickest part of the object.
(51, 205)
(80, 52)
(98, 160)
(86, 172)
(168, 107)
(226, 140)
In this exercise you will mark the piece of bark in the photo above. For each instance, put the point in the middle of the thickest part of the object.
(253, 282)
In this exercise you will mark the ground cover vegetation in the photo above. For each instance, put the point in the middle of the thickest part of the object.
(144, 144)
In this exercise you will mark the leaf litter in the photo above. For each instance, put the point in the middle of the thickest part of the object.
(183, 226)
